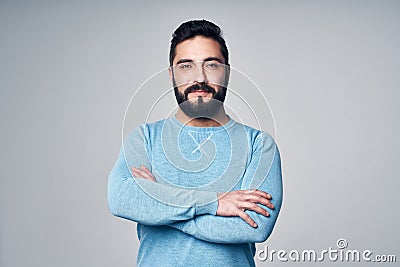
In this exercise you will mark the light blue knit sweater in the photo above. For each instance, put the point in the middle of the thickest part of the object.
(176, 216)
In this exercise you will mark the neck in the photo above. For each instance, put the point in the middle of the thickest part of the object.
(219, 119)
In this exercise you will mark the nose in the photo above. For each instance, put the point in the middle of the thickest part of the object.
(200, 75)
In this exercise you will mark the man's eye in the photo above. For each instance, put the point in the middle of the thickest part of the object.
(212, 65)
(185, 66)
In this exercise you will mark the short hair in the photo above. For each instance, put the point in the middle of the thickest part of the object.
(193, 28)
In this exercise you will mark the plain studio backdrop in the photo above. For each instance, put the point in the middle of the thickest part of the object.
(330, 72)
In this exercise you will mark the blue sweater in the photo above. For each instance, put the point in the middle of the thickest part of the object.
(176, 216)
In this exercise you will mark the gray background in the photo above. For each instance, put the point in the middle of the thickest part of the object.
(68, 69)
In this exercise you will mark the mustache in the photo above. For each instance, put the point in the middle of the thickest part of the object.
(196, 87)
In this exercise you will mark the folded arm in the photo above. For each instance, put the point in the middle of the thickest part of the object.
(136, 199)
(263, 172)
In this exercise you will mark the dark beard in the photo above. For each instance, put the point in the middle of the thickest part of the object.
(199, 108)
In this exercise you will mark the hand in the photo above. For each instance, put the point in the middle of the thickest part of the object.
(234, 203)
(143, 172)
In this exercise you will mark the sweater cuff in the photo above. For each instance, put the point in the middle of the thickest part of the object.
(206, 203)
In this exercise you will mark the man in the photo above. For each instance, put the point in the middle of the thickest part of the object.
(202, 187)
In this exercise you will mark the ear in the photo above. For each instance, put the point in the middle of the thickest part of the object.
(171, 74)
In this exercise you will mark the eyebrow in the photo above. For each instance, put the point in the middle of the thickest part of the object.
(183, 60)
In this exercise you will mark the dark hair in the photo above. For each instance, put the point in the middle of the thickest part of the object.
(193, 28)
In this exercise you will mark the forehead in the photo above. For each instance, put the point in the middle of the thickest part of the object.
(197, 49)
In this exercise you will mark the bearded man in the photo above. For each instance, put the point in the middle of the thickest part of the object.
(202, 187)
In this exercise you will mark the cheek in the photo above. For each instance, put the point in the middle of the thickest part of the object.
(181, 81)
(217, 79)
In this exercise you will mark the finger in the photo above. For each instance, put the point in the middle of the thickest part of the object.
(260, 200)
(147, 174)
(249, 191)
(142, 174)
(260, 193)
(145, 169)
(256, 208)
(135, 171)
(247, 219)
(137, 175)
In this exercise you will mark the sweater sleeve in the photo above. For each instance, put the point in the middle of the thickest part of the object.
(138, 199)
(264, 173)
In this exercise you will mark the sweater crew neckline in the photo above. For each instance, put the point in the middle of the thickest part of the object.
(227, 125)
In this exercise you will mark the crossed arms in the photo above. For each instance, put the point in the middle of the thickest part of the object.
(228, 219)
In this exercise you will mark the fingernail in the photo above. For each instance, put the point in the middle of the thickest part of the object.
(255, 225)
(268, 196)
